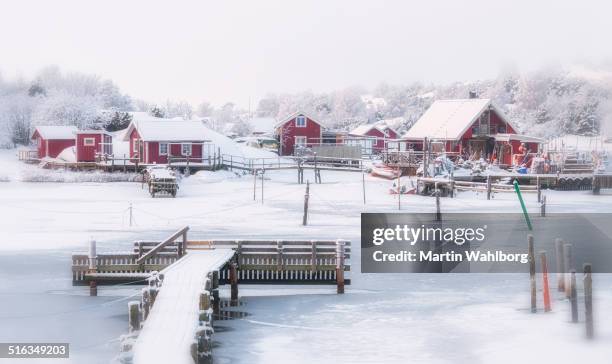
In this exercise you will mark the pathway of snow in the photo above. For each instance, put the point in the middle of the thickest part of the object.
(170, 329)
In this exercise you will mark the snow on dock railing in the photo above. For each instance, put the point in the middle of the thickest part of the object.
(259, 261)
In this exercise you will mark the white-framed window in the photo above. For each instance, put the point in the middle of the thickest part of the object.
(135, 146)
(300, 141)
(163, 148)
(89, 142)
(300, 121)
(186, 149)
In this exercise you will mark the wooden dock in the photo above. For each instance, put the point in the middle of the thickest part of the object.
(172, 322)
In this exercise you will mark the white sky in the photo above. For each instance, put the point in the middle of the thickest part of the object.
(226, 50)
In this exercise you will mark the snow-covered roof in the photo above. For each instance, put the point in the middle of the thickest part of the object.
(61, 132)
(262, 125)
(294, 115)
(166, 130)
(450, 119)
(362, 129)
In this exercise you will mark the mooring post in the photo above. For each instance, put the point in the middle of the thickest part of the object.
(543, 206)
(340, 266)
(134, 315)
(567, 268)
(573, 296)
(306, 198)
(588, 300)
(532, 271)
(539, 189)
(517, 189)
(93, 267)
(488, 187)
(560, 265)
(399, 188)
(203, 345)
(145, 303)
(254, 185)
(545, 288)
(363, 185)
(204, 300)
(234, 284)
(438, 211)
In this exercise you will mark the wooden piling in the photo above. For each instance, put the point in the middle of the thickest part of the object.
(539, 189)
(306, 198)
(532, 271)
(234, 284)
(145, 303)
(567, 268)
(545, 289)
(560, 265)
(340, 266)
(204, 300)
(215, 292)
(93, 288)
(134, 315)
(438, 212)
(588, 300)
(543, 207)
(489, 187)
(573, 296)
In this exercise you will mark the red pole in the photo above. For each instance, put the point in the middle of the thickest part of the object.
(545, 289)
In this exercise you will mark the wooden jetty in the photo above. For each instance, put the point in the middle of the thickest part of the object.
(172, 322)
(601, 180)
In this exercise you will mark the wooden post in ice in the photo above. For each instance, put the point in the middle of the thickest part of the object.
(254, 185)
(93, 267)
(560, 265)
(215, 292)
(438, 212)
(573, 296)
(543, 206)
(488, 187)
(201, 351)
(306, 198)
(545, 289)
(134, 315)
(567, 268)
(539, 189)
(399, 188)
(363, 185)
(145, 303)
(588, 300)
(532, 270)
(234, 284)
(340, 266)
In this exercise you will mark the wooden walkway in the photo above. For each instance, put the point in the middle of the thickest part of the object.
(170, 328)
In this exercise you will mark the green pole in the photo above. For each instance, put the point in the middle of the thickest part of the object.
(520, 197)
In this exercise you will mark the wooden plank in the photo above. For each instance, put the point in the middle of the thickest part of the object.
(161, 245)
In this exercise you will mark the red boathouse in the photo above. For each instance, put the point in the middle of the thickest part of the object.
(51, 140)
(92, 142)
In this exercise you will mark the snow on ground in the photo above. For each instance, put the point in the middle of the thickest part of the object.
(382, 317)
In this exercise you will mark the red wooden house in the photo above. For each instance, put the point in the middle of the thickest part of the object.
(469, 127)
(154, 140)
(92, 142)
(297, 130)
(51, 140)
(379, 133)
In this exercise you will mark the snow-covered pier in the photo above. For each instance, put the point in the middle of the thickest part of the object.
(170, 332)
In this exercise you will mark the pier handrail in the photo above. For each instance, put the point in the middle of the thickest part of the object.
(160, 246)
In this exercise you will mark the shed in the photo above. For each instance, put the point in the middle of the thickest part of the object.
(89, 143)
(51, 140)
(380, 134)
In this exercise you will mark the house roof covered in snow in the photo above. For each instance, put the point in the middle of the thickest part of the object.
(292, 116)
(167, 130)
(60, 132)
(262, 125)
(450, 119)
(362, 130)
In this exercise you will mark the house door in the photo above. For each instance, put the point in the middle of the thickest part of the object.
(141, 155)
(88, 151)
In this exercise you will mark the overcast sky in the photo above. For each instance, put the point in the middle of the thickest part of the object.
(227, 50)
